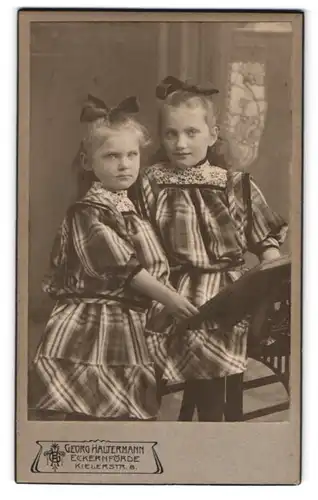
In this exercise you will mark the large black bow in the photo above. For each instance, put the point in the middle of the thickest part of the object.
(171, 84)
(95, 108)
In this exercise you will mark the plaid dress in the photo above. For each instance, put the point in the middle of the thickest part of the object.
(200, 216)
(93, 357)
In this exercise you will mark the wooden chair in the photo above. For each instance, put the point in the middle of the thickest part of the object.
(269, 344)
(274, 350)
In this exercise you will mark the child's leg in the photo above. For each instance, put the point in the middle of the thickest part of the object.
(188, 404)
(208, 396)
(234, 398)
(159, 385)
(210, 399)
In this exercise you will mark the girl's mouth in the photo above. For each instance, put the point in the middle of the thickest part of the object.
(124, 177)
(181, 155)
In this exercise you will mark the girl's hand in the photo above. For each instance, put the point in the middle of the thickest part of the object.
(270, 254)
(176, 305)
(179, 307)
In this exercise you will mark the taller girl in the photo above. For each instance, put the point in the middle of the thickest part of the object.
(199, 212)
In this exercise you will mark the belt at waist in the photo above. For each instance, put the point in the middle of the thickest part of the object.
(213, 268)
(70, 298)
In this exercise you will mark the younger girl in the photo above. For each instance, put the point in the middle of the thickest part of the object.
(199, 213)
(107, 267)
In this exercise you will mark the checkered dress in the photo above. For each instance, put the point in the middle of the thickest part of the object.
(200, 216)
(93, 357)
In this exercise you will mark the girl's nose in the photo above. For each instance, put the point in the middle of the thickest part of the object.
(181, 142)
(124, 163)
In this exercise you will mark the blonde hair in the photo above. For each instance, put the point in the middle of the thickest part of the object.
(97, 131)
(190, 100)
(94, 135)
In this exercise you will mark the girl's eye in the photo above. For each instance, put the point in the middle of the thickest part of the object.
(170, 134)
(192, 132)
(110, 156)
(133, 154)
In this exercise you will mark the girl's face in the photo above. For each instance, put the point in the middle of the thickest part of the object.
(116, 162)
(186, 135)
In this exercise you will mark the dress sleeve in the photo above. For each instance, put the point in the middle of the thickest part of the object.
(102, 250)
(146, 197)
(268, 229)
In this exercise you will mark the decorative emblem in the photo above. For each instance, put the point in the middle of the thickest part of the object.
(54, 456)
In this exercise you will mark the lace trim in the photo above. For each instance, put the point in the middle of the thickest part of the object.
(118, 198)
(205, 174)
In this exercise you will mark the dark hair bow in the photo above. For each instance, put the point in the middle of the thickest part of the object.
(171, 84)
(95, 108)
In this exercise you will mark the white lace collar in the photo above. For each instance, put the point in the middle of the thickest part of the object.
(119, 199)
(200, 175)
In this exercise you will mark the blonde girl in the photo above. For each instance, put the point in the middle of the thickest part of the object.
(108, 269)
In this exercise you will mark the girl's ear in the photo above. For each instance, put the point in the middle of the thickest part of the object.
(84, 161)
(214, 134)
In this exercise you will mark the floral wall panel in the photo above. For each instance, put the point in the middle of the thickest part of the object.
(246, 108)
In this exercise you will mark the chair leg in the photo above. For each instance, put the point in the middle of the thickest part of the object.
(234, 398)
(188, 404)
(287, 373)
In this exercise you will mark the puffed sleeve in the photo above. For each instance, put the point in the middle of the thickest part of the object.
(102, 249)
(146, 195)
(267, 228)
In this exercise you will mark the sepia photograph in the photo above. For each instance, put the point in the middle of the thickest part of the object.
(159, 242)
